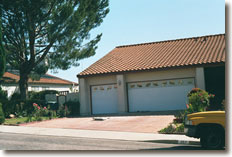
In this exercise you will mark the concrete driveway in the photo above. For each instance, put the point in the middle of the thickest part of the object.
(142, 124)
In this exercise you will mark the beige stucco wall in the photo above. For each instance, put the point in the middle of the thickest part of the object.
(86, 83)
(160, 75)
(100, 80)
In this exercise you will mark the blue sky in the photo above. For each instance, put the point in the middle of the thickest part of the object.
(140, 21)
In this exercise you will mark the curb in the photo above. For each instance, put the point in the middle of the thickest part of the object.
(140, 137)
(175, 142)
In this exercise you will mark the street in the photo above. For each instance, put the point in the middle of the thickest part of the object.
(12, 141)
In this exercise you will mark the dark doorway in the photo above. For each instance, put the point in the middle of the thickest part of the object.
(215, 84)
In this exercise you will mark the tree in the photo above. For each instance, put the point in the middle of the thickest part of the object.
(2, 53)
(2, 117)
(53, 31)
(3, 94)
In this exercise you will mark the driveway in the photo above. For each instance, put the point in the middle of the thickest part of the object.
(142, 124)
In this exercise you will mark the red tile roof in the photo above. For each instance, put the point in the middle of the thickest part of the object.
(9, 77)
(172, 53)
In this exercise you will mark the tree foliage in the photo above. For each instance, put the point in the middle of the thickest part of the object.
(2, 52)
(55, 32)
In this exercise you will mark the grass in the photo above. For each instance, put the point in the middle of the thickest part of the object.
(15, 121)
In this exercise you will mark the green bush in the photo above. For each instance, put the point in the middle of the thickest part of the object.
(40, 95)
(180, 128)
(2, 117)
(15, 96)
(180, 116)
(3, 94)
(70, 108)
(169, 129)
(20, 108)
(199, 100)
(63, 111)
(73, 107)
(173, 128)
(40, 111)
(52, 114)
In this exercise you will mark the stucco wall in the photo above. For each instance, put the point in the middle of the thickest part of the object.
(86, 83)
(100, 80)
(160, 75)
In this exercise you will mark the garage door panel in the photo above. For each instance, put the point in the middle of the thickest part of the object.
(104, 99)
(150, 96)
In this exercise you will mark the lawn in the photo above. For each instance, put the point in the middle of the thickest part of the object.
(15, 121)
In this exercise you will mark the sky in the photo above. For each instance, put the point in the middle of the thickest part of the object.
(141, 21)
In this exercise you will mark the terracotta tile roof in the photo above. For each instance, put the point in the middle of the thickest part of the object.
(172, 53)
(10, 77)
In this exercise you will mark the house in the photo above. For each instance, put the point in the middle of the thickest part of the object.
(153, 76)
(46, 82)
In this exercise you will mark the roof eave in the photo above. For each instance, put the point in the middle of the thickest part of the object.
(154, 69)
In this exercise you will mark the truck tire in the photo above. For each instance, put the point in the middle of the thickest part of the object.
(213, 138)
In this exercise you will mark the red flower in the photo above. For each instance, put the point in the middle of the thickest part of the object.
(45, 108)
(34, 104)
(38, 107)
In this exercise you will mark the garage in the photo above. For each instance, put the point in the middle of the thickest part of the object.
(154, 76)
(159, 95)
(104, 99)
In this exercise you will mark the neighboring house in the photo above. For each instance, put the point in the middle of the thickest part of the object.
(46, 82)
(153, 76)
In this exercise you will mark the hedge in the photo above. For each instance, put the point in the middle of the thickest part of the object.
(2, 117)
(19, 107)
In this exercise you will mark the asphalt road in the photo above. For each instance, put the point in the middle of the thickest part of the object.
(10, 141)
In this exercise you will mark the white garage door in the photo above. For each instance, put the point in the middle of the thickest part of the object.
(104, 99)
(159, 95)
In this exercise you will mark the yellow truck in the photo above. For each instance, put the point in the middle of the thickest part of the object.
(209, 126)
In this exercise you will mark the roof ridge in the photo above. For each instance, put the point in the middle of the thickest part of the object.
(163, 41)
(60, 78)
(54, 77)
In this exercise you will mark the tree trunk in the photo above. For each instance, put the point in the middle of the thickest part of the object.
(23, 85)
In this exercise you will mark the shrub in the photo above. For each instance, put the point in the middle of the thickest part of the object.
(40, 95)
(15, 96)
(20, 107)
(179, 118)
(73, 107)
(198, 100)
(70, 108)
(33, 95)
(180, 128)
(173, 128)
(2, 117)
(39, 112)
(169, 129)
(52, 114)
(3, 94)
(63, 111)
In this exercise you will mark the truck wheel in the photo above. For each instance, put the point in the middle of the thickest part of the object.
(212, 139)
